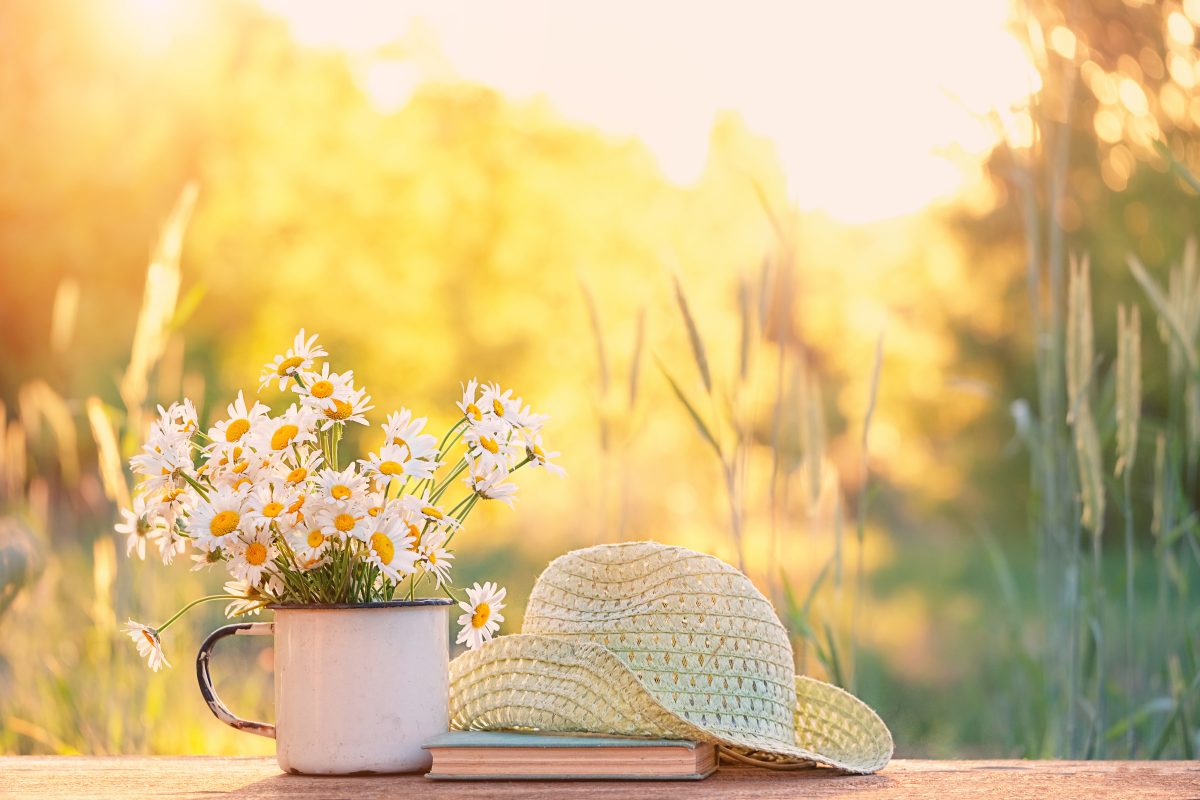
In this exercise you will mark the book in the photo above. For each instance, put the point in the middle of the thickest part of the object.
(510, 755)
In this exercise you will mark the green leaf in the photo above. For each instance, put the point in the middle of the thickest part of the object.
(696, 418)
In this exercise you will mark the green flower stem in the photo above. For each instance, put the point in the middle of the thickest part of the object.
(195, 484)
(445, 484)
(187, 608)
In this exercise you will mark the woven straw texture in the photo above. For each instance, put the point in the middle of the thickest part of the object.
(642, 639)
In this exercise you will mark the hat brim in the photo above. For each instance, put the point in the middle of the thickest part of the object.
(544, 683)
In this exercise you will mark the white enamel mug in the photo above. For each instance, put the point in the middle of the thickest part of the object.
(358, 689)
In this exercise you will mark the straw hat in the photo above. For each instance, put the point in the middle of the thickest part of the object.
(642, 639)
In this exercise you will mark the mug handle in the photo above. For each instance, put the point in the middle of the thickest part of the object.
(206, 688)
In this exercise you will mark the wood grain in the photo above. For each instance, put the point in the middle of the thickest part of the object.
(208, 777)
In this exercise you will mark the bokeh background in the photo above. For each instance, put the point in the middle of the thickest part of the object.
(802, 286)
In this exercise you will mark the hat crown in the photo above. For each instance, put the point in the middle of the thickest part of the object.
(697, 633)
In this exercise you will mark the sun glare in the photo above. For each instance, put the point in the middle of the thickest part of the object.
(874, 108)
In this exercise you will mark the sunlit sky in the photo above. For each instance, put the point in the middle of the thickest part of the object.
(873, 106)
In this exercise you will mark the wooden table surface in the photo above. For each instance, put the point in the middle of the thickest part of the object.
(208, 777)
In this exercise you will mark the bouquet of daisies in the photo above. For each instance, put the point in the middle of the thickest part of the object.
(273, 501)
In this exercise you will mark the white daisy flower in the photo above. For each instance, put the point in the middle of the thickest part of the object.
(171, 543)
(433, 556)
(320, 387)
(149, 646)
(353, 409)
(251, 554)
(421, 509)
(242, 420)
(297, 467)
(376, 502)
(181, 417)
(500, 404)
(490, 482)
(339, 522)
(389, 543)
(310, 545)
(245, 598)
(540, 458)
(468, 405)
(298, 358)
(295, 426)
(488, 443)
(269, 504)
(216, 518)
(341, 488)
(137, 525)
(525, 418)
(481, 617)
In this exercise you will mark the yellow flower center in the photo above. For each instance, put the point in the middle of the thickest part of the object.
(340, 410)
(340, 492)
(240, 466)
(498, 407)
(297, 475)
(415, 533)
(272, 509)
(383, 547)
(375, 511)
(256, 553)
(489, 444)
(283, 436)
(242, 481)
(344, 522)
(390, 468)
(315, 538)
(224, 522)
(321, 389)
(473, 412)
(538, 453)
(288, 364)
(149, 638)
(295, 507)
(236, 430)
(430, 511)
(483, 612)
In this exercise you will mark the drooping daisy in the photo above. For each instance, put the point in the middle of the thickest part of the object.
(468, 405)
(298, 358)
(295, 426)
(481, 616)
(242, 420)
(433, 556)
(341, 488)
(215, 519)
(251, 554)
(149, 646)
(490, 482)
(389, 542)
